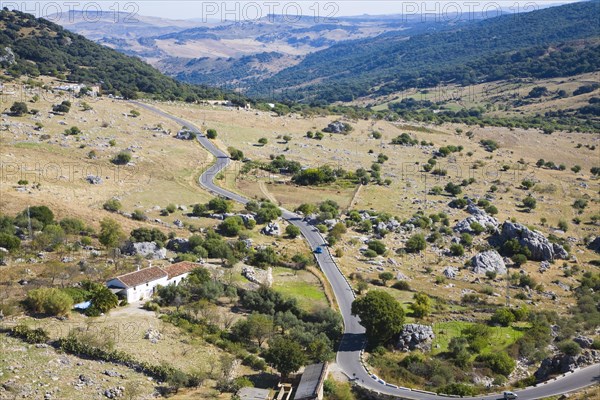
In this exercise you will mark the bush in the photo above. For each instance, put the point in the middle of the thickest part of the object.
(113, 205)
(503, 316)
(569, 348)
(457, 249)
(402, 285)
(499, 362)
(458, 389)
(377, 246)
(9, 242)
(416, 243)
(29, 335)
(122, 158)
(18, 109)
(211, 134)
(292, 231)
(48, 301)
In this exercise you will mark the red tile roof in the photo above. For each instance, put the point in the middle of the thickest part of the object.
(142, 276)
(180, 268)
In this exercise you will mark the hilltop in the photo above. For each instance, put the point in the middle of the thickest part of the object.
(34, 46)
(557, 41)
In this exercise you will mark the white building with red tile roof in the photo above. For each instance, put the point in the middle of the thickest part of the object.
(140, 285)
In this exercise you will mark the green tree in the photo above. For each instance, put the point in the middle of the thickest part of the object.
(19, 108)
(231, 226)
(503, 316)
(220, 205)
(103, 300)
(380, 314)
(386, 277)
(292, 231)
(40, 213)
(285, 355)
(111, 234)
(421, 306)
(211, 134)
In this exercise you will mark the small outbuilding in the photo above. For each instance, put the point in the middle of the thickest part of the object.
(250, 393)
(311, 383)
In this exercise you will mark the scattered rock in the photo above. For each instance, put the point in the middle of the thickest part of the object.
(415, 336)
(115, 392)
(271, 229)
(145, 249)
(540, 247)
(337, 127)
(488, 261)
(94, 180)
(153, 335)
(584, 341)
(450, 272)
(258, 276)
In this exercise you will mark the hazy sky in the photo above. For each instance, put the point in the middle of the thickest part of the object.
(250, 10)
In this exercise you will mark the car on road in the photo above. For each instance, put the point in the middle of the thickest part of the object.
(319, 250)
(509, 396)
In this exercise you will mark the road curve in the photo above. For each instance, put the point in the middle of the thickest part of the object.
(353, 340)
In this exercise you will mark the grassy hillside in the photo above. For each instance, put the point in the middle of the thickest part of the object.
(522, 45)
(44, 48)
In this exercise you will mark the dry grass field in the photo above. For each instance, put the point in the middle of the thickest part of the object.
(519, 151)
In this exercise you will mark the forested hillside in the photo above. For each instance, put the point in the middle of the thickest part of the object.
(33, 46)
(558, 41)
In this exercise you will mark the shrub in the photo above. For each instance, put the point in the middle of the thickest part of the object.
(569, 348)
(503, 316)
(122, 158)
(563, 225)
(498, 362)
(377, 246)
(19, 108)
(292, 231)
(9, 242)
(113, 205)
(402, 285)
(49, 301)
(457, 249)
(416, 243)
(29, 335)
(211, 134)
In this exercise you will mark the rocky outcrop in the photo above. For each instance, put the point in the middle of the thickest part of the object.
(584, 341)
(450, 272)
(271, 229)
(145, 249)
(153, 335)
(594, 245)
(540, 247)
(7, 57)
(415, 336)
(477, 215)
(94, 180)
(337, 127)
(258, 276)
(488, 261)
(184, 134)
(561, 364)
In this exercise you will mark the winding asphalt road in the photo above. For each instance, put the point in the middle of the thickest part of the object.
(353, 340)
